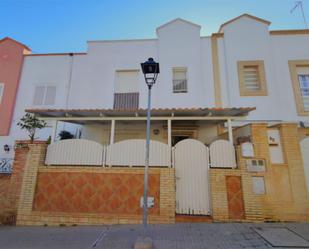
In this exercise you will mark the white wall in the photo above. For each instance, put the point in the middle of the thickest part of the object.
(247, 39)
(37, 70)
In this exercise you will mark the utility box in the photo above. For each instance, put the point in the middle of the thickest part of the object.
(150, 202)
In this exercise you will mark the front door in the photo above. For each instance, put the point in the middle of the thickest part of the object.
(192, 185)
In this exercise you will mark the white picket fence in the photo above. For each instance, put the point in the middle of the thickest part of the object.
(132, 153)
(129, 153)
(74, 152)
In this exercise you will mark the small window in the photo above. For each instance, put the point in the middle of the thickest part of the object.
(1, 91)
(44, 95)
(252, 78)
(180, 80)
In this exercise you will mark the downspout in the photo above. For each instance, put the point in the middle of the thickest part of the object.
(69, 83)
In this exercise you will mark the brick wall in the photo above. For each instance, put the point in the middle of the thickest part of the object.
(106, 195)
(10, 186)
(286, 197)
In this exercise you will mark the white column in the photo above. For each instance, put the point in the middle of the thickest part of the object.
(230, 130)
(54, 131)
(169, 132)
(112, 136)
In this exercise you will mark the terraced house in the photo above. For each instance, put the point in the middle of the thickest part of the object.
(229, 132)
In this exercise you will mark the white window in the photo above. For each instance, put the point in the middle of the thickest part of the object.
(258, 185)
(304, 89)
(44, 95)
(251, 78)
(180, 80)
(126, 81)
(1, 91)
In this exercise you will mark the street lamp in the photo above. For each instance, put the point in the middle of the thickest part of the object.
(150, 70)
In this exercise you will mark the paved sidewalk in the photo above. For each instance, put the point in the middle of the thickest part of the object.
(179, 236)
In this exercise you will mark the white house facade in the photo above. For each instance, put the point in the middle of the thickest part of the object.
(207, 93)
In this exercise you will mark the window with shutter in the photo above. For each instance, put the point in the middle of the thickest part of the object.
(180, 80)
(39, 95)
(1, 91)
(252, 78)
(50, 95)
(304, 89)
(44, 95)
(126, 94)
(299, 71)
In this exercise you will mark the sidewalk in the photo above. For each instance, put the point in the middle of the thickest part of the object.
(178, 236)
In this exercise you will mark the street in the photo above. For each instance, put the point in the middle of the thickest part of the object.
(177, 236)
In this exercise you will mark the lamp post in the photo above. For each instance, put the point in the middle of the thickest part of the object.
(150, 70)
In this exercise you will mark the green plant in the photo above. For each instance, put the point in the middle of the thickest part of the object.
(48, 141)
(31, 123)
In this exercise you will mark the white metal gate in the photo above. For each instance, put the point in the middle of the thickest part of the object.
(192, 185)
(304, 144)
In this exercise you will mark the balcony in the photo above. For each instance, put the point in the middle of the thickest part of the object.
(180, 86)
(126, 101)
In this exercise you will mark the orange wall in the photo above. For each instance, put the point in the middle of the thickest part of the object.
(11, 60)
(82, 192)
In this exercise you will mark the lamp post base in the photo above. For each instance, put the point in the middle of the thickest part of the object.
(143, 243)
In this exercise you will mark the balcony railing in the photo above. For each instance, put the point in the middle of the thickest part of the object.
(125, 101)
(6, 165)
(180, 86)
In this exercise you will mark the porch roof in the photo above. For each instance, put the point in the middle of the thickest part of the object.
(166, 112)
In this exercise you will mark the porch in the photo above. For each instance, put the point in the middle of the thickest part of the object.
(117, 137)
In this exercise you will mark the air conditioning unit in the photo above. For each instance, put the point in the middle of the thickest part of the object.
(255, 165)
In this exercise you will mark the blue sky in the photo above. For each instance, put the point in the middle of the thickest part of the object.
(66, 25)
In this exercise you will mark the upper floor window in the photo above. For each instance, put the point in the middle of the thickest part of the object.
(1, 91)
(300, 78)
(304, 89)
(44, 95)
(180, 80)
(126, 94)
(252, 80)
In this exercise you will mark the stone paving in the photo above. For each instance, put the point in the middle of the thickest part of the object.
(179, 236)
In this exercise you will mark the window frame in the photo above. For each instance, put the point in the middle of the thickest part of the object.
(2, 91)
(180, 69)
(46, 85)
(293, 65)
(261, 74)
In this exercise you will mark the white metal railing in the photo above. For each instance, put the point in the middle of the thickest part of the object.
(132, 153)
(222, 154)
(180, 86)
(74, 152)
(6, 165)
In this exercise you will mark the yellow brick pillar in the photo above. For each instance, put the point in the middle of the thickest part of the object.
(167, 197)
(35, 158)
(292, 153)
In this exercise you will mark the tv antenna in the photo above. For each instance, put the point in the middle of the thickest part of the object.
(299, 4)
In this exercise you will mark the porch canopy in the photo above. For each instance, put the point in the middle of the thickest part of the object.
(206, 113)
(82, 116)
